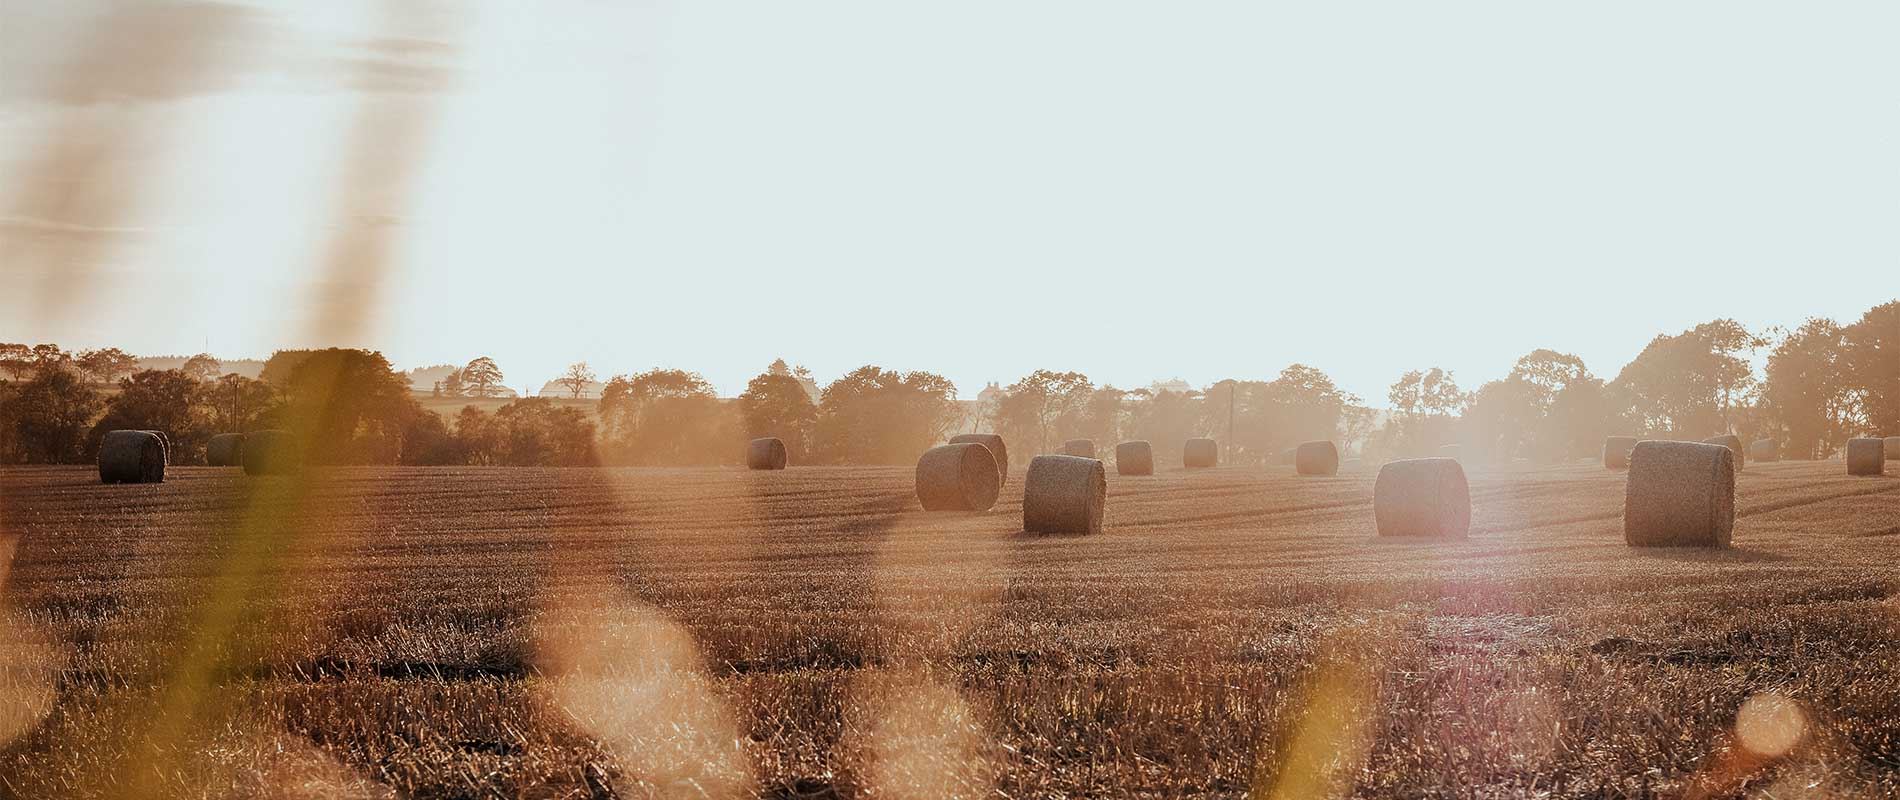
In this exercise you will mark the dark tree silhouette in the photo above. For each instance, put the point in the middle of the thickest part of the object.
(237, 404)
(156, 400)
(349, 407)
(47, 417)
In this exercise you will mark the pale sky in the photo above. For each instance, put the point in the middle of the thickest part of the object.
(1136, 191)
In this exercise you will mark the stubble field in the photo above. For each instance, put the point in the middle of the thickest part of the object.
(624, 633)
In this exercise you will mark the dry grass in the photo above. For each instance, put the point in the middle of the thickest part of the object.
(576, 633)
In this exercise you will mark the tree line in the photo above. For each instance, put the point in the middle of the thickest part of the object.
(1821, 383)
(349, 407)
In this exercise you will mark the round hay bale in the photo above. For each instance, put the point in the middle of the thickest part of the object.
(1891, 445)
(1080, 448)
(165, 442)
(1734, 444)
(1064, 494)
(1616, 451)
(1317, 458)
(131, 457)
(225, 450)
(1451, 451)
(1866, 456)
(272, 452)
(1679, 494)
(957, 477)
(1134, 458)
(765, 453)
(997, 449)
(1422, 497)
(1764, 450)
(1200, 453)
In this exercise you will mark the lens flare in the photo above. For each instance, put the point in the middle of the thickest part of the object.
(1333, 732)
(76, 194)
(636, 681)
(1770, 725)
(28, 665)
(915, 738)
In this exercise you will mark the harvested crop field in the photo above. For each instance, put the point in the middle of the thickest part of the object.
(573, 633)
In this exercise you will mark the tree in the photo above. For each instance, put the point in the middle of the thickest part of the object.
(349, 407)
(477, 438)
(576, 379)
(202, 367)
(1686, 384)
(16, 360)
(775, 404)
(105, 365)
(1233, 411)
(1805, 391)
(878, 416)
(49, 356)
(236, 403)
(1580, 416)
(1567, 412)
(665, 416)
(1546, 373)
(1302, 404)
(1166, 419)
(1732, 374)
(451, 384)
(1355, 425)
(534, 432)
(156, 400)
(278, 367)
(426, 440)
(48, 416)
(1499, 420)
(481, 376)
(1423, 405)
(9, 403)
(1100, 417)
(1032, 409)
(1871, 347)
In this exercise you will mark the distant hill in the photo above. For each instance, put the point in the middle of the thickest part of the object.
(248, 367)
(554, 389)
